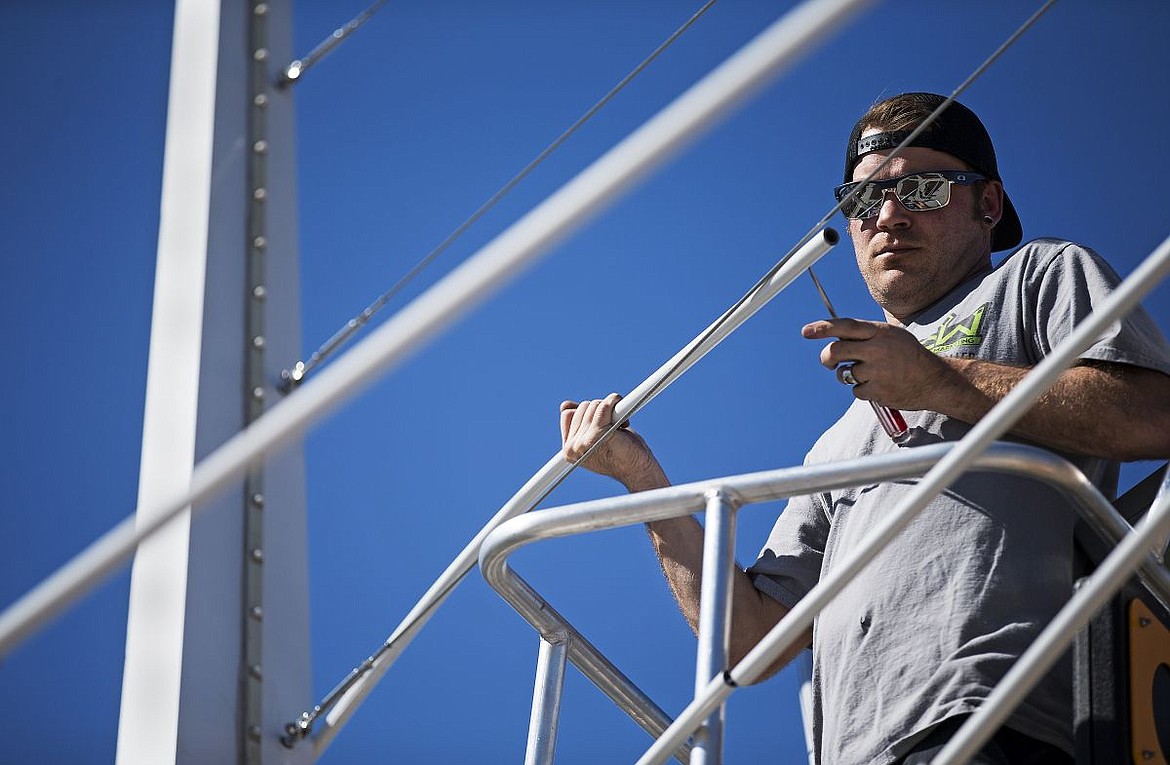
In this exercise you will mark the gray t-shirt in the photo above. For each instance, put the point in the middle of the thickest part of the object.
(941, 614)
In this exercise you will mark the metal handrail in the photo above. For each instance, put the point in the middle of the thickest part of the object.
(352, 691)
(497, 262)
(752, 488)
(480, 276)
(555, 628)
(965, 454)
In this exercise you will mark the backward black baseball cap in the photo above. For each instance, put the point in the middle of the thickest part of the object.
(958, 132)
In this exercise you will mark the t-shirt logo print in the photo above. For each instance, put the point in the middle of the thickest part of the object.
(953, 334)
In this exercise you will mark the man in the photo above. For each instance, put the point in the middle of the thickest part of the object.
(919, 641)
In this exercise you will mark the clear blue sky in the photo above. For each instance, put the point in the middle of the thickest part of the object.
(402, 133)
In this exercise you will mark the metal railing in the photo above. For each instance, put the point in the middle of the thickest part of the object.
(720, 499)
(344, 700)
(1133, 549)
(471, 283)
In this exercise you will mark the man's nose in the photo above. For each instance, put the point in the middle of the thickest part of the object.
(891, 213)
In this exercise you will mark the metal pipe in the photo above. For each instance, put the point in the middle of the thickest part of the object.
(753, 488)
(1104, 519)
(805, 672)
(584, 655)
(359, 684)
(678, 124)
(749, 488)
(770, 485)
(546, 700)
(1124, 299)
(1109, 577)
(783, 274)
(714, 618)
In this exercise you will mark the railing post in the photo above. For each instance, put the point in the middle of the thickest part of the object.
(546, 700)
(714, 619)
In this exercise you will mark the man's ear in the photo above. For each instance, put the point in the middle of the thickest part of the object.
(991, 203)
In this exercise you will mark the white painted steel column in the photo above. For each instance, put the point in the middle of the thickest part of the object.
(195, 690)
(546, 700)
(149, 721)
(714, 619)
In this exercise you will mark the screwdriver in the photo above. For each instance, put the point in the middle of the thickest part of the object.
(891, 420)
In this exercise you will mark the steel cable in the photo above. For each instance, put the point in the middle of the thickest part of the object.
(821, 224)
(291, 377)
(304, 725)
(296, 69)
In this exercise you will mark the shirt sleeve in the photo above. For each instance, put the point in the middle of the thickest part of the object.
(1066, 287)
(790, 563)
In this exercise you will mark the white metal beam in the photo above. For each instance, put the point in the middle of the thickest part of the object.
(149, 720)
(195, 690)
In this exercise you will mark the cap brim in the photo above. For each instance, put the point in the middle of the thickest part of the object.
(1008, 232)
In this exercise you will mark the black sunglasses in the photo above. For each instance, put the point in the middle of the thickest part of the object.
(916, 192)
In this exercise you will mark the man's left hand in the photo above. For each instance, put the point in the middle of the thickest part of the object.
(890, 365)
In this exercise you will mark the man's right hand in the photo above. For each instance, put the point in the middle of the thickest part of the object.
(678, 542)
(625, 456)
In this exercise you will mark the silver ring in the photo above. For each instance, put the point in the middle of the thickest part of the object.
(847, 375)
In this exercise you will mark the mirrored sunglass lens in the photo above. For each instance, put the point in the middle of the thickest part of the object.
(919, 192)
(866, 201)
(855, 207)
(923, 192)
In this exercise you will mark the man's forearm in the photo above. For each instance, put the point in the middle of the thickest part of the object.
(678, 542)
(1107, 410)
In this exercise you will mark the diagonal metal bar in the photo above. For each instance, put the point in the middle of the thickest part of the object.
(997, 422)
(795, 31)
(592, 663)
(1109, 577)
(345, 698)
(456, 294)
(755, 488)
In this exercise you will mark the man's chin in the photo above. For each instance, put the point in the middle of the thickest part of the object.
(897, 293)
